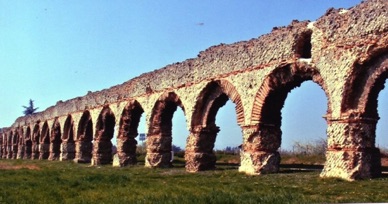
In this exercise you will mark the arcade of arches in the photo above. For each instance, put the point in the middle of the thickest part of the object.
(345, 52)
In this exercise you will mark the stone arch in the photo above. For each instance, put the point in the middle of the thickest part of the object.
(105, 124)
(364, 84)
(68, 143)
(20, 139)
(262, 138)
(128, 131)
(68, 130)
(272, 94)
(102, 153)
(85, 127)
(359, 120)
(44, 148)
(28, 143)
(203, 131)
(55, 140)
(35, 141)
(159, 139)
(213, 97)
(84, 139)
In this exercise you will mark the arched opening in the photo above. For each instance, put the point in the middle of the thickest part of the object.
(126, 142)
(35, 141)
(84, 139)
(180, 133)
(45, 142)
(102, 146)
(303, 127)
(28, 144)
(55, 141)
(361, 104)
(200, 146)
(229, 139)
(382, 127)
(21, 144)
(264, 142)
(159, 140)
(303, 45)
(68, 144)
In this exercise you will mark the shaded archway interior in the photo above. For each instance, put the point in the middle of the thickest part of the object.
(200, 145)
(159, 141)
(128, 131)
(84, 139)
(276, 89)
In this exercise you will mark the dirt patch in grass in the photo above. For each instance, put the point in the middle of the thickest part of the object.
(16, 167)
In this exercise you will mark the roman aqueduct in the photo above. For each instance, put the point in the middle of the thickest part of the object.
(345, 52)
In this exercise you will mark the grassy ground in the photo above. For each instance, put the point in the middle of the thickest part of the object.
(26, 181)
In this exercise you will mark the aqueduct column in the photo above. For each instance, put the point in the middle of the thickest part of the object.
(83, 151)
(83, 143)
(351, 150)
(259, 153)
(67, 148)
(102, 151)
(199, 153)
(159, 149)
(55, 145)
(44, 151)
(15, 146)
(127, 132)
(27, 149)
(21, 147)
(102, 146)
(44, 146)
(159, 139)
(9, 145)
(1, 145)
(126, 149)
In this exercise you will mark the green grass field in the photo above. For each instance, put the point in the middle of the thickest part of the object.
(26, 181)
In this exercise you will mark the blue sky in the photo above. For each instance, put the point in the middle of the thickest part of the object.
(58, 50)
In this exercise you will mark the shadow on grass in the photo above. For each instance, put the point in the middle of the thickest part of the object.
(284, 168)
(296, 168)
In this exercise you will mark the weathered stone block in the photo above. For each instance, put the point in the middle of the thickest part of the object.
(54, 151)
(67, 151)
(44, 151)
(158, 160)
(14, 151)
(199, 161)
(259, 162)
(35, 151)
(159, 144)
(21, 150)
(352, 164)
(102, 152)
(83, 152)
